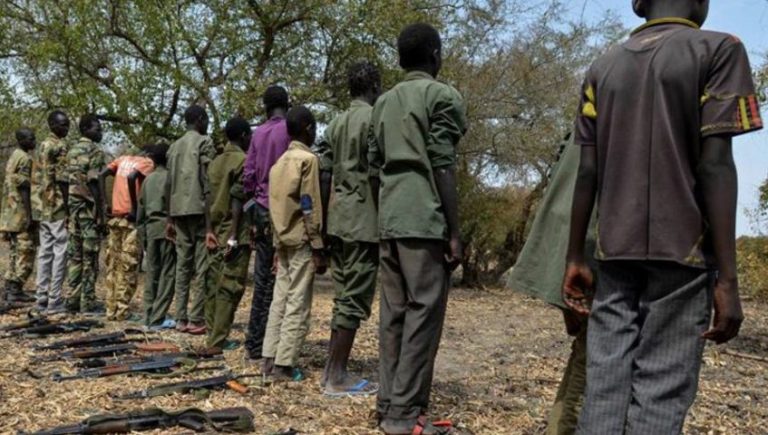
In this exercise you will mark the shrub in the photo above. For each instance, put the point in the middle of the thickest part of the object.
(752, 256)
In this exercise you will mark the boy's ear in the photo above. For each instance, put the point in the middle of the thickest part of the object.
(639, 7)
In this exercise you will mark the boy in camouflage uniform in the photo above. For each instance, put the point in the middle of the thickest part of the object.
(123, 252)
(229, 261)
(16, 216)
(84, 162)
(52, 184)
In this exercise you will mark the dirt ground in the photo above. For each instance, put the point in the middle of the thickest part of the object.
(497, 372)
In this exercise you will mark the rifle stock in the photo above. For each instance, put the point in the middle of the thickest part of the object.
(94, 340)
(228, 381)
(224, 420)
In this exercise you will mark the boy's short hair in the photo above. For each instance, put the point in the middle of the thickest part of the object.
(23, 133)
(416, 44)
(236, 127)
(52, 116)
(194, 113)
(87, 121)
(362, 76)
(158, 153)
(275, 97)
(297, 120)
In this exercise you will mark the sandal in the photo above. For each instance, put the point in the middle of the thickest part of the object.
(441, 426)
(364, 388)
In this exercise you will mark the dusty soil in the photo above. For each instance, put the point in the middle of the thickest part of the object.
(497, 372)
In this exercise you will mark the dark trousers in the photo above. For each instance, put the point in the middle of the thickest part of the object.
(414, 295)
(644, 347)
(264, 285)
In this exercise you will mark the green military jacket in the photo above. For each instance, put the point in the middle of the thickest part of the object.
(225, 176)
(35, 198)
(84, 163)
(416, 126)
(50, 170)
(18, 172)
(344, 152)
(152, 215)
(188, 182)
(540, 268)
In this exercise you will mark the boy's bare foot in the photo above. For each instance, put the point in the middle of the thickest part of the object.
(350, 386)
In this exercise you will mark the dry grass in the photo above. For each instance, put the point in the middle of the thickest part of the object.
(497, 373)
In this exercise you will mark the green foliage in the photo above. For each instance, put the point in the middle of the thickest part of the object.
(139, 64)
(753, 266)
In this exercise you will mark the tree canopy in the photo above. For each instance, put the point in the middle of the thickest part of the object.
(139, 64)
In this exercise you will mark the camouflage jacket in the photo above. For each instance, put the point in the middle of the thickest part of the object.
(50, 169)
(84, 163)
(18, 172)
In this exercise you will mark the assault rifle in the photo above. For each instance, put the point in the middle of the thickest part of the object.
(93, 363)
(30, 322)
(7, 307)
(224, 420)
(112, 350)
(91, 340)
(163, 366)
(228, 381)
(46, 328)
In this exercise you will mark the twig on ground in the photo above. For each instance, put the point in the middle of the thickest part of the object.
(745, 355)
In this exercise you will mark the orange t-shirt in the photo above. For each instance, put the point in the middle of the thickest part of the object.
(123, 167)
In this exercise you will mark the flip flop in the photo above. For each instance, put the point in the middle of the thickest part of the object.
(167, 324)
(230, 345)
(364, 388)
(442, 426)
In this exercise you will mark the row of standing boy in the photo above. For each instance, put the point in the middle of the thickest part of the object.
(389, 161)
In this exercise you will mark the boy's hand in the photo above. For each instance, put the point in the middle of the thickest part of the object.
(170, 231)
(455, 253)
(577, 283)
(321, 263)
(728, 313)
(6, 236)
(211, 242)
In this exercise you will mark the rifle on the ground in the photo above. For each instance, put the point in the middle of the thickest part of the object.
(93, 363)
(48, 328)
(7, 307)
(106, 351)
(228, 381)
(224, 420)
(91, 340)
(163, 367)
(29, 323)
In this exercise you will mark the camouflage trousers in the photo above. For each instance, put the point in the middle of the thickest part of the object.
(122, 259)
(22, 258)
(83, 256)
(225, 293)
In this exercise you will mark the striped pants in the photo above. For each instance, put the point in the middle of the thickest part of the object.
(644, 347)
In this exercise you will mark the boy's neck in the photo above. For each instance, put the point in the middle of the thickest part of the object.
(670, 10)
(367, 98)
(424, 69)
(276, 113)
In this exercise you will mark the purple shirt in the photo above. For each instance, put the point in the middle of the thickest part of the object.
(268, 143)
